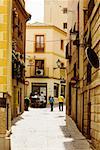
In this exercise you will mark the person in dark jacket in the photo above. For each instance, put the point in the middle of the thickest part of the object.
(26, 103)
(51, 101)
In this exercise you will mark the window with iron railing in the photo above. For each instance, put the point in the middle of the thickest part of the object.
(39, 43)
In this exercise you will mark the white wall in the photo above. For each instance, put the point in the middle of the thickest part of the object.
(53, 13)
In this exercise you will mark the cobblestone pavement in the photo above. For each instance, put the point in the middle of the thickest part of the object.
(41, 129)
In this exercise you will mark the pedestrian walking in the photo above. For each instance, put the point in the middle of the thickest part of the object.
(61, 101)
(26, 103)
(51, 101)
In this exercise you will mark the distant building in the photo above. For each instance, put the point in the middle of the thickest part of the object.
(83, 79)
(55, 13)
(45, 60)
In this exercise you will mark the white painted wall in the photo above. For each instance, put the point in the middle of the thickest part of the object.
(53, 12)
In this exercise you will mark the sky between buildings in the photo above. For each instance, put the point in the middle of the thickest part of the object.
(36, 9)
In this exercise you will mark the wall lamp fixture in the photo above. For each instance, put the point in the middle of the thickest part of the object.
(60, 65)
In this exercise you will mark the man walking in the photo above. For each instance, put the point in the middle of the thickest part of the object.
(51, 101)
(61, 101)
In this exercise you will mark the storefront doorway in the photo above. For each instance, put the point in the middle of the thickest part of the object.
(40, 87)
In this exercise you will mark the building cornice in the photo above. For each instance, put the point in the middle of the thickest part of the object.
(22, 8)
(53, 53)
(33, 26)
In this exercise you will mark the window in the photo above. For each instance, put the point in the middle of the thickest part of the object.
(88, 73)
(64, 10)
(39, 67)
(56, 90)
(65, 25)
(62, 44)
(39, 43)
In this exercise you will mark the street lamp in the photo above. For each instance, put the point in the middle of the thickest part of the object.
(60, 65)
(58, 62)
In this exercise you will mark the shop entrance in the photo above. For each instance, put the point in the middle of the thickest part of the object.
(40, 87)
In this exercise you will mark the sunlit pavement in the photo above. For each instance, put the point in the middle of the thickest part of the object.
(41, 129)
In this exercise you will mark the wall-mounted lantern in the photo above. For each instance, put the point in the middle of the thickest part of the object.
(60, 65)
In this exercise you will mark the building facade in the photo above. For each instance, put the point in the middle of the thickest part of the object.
(5, 66)
(10, 47)
(45, 49)
(19, 19)
(55, 13)
(83, 73)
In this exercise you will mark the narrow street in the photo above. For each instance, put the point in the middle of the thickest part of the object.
(41, 129)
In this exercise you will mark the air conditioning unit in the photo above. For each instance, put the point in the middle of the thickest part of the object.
(39, 72)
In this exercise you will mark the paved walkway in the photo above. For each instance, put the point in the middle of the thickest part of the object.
(41, 129)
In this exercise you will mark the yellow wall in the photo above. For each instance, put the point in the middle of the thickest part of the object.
(5, 61)
(5, 46)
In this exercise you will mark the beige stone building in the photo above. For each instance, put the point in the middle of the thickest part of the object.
(83, 73)
(55, 13)
(45, 49)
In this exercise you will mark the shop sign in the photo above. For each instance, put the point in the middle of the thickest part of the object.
(2, 102)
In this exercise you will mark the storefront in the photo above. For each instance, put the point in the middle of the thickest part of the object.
(38, 88)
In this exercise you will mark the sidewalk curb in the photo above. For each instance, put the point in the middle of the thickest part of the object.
(74, 131)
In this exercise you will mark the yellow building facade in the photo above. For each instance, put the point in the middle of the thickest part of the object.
(11, 87)
(83, 77)
(45, 45)
(5, 66)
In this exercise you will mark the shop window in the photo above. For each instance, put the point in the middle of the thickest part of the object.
(39, 43)
(56, 90)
